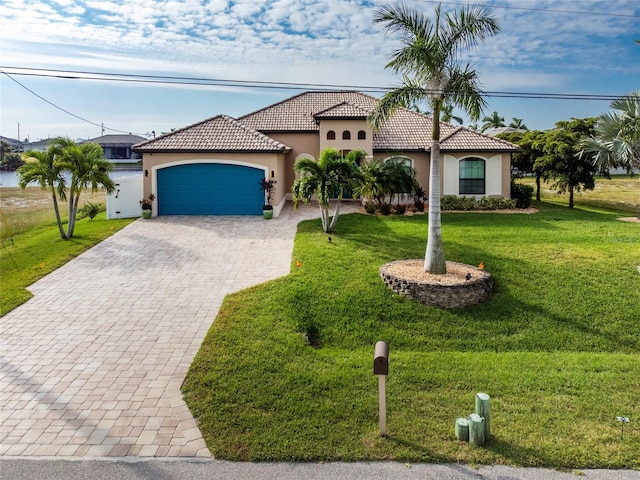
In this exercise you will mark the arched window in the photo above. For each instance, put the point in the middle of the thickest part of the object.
(362, 135)
(346, 135)
(331, 135)
(472, 179)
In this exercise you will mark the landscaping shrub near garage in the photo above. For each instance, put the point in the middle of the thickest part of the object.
(556, 347)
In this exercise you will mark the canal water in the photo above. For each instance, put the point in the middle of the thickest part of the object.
(10, 179)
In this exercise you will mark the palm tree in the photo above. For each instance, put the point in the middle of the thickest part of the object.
(617, 135)
(492, 121)
(448, 116)
(431, 70)
(45, 169)
(377, 180)
(518, 123)
(88, 170)
(327, 178)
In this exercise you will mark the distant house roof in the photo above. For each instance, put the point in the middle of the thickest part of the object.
(405, 130)
(492, 132)
(217, 134)
(116, 140)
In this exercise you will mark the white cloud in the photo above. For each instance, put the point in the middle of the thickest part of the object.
(309, 41)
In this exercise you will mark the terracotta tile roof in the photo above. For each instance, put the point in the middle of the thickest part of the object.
(296, 114)
(465, 139)
(217, 134)
(405, 130)
(343, 111)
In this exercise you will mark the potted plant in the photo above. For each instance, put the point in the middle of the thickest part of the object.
(268, 186)
(146, 204)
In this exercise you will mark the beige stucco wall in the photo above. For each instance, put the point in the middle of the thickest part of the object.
(353, 126)
(420, 163)
(300, 144)
(498, 173)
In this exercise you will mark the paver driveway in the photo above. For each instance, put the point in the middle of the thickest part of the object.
(92, 365)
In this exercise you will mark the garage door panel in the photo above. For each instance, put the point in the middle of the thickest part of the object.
(210, 189)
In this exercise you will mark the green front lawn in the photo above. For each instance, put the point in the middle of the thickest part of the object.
(556, 347)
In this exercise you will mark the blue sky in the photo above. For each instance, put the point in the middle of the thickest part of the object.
(556, 46)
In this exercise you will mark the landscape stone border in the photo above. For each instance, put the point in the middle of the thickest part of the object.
(462, 294)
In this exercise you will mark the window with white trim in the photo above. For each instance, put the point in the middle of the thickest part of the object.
(472, 176)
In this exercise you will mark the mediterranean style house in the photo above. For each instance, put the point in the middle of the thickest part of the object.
(214, 167)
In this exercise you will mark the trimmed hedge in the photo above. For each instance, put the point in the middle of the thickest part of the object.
(451, 202)
(521, 194)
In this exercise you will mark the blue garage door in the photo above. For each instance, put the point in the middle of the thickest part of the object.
(210, 189)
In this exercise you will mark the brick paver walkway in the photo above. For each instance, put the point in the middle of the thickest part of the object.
(92, 365)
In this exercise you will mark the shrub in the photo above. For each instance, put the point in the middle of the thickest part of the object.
(495, 203)
(451, 202)
(385, 208)
(400, 209)
(90, 210)
(521, 194)
(370, 207)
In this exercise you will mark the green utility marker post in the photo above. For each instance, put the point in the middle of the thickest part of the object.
(483, 409)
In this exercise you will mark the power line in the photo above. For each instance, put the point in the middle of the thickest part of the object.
(196, 81)
(542, 10)
(173, 80)
(102, 126)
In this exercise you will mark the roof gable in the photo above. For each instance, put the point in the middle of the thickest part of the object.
(465, 139)
(218, 134)
(343, 111)
(297, 114)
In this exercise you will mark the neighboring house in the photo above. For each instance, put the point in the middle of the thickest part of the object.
(493, 132)
(214, 167)
(16, 145)
(39, 146)
(117, 148)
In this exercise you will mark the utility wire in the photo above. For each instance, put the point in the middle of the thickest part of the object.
(195, 81)
(62, 109)
(172, 80)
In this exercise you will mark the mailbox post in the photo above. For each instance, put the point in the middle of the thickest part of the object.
(381, 369)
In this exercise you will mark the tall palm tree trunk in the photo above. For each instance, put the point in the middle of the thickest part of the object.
(434, 261)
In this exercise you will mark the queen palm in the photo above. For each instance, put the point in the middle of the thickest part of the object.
(45, 169)
(88, 170)
(432, 71)
(326, 178)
